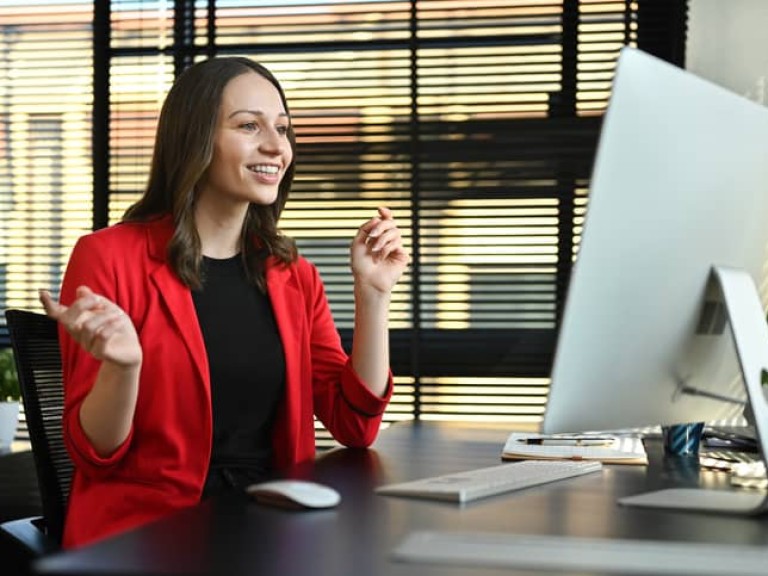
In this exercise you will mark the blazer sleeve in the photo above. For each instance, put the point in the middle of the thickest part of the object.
(91, 265)
(342, 402)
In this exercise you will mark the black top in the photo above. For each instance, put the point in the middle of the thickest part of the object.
(247, 368)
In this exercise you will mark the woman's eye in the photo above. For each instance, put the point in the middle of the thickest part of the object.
(250, 126)
(282, 130)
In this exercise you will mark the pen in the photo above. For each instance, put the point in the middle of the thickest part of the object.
(595, 441)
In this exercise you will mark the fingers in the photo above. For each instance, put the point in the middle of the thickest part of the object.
(383, 235)
(385, 240)
(381, 238)
(83, 291)
(85, 300)
(98, 325)
(88, 318)
(51, 307)
(99, 328)
(385, 213)
(376, 225)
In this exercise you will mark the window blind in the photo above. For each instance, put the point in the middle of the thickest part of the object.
(475, 122)
(45, 143)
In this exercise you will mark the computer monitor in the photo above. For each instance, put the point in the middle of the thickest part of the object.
(677, 214)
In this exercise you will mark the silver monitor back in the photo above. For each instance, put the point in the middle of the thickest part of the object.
(680, 184)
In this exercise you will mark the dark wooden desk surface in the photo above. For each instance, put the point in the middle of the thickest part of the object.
(233, 537)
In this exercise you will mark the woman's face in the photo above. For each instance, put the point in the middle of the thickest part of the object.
(251, 151)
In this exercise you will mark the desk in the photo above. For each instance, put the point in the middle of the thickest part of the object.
(232, 537)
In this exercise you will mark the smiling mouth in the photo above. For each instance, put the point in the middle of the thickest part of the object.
(270, 169)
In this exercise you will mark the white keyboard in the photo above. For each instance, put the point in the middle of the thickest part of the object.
(482, 482)
(571, 554)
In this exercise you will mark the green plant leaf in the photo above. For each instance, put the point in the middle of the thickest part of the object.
(9, 381)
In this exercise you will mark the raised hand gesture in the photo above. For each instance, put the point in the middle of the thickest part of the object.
(377, 256)
(99, 325)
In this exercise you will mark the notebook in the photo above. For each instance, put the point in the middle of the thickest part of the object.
(606, 448)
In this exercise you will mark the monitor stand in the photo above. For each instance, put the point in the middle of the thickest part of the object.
(750, 332)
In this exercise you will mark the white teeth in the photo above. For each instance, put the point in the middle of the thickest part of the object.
(264, 168)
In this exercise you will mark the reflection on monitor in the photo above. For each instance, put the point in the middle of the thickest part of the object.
(679, 188)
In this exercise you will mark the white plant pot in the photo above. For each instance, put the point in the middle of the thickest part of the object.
(9, 420)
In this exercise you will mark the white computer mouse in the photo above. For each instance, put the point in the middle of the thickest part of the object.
(294, 494)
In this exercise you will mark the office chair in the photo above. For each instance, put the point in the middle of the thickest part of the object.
(35, 343)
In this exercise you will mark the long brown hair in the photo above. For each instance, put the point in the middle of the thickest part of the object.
(182, 154)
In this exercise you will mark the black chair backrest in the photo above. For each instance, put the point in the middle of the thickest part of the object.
(35, 343)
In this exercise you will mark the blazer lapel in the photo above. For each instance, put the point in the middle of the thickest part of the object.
(177, 297)
(287, 305)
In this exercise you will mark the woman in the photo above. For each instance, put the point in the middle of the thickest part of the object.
(197, 345)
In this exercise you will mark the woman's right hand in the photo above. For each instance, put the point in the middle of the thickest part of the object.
(100, 326)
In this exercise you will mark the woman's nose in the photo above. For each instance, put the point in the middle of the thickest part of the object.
(272, 142)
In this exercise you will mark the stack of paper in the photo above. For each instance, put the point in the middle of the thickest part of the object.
(749, 475)
(604, 447)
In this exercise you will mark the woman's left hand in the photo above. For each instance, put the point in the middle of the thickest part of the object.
(377, 255)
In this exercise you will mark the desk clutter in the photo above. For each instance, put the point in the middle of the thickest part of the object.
(606, 448)
(747, 470)
(735, 449)
(749, 475)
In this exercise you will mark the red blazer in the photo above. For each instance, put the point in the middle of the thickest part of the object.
(162, 465)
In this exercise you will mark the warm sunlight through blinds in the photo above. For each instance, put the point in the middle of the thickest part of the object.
(45, 147)
(476, 122)
(140, 75)
(45, 143)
